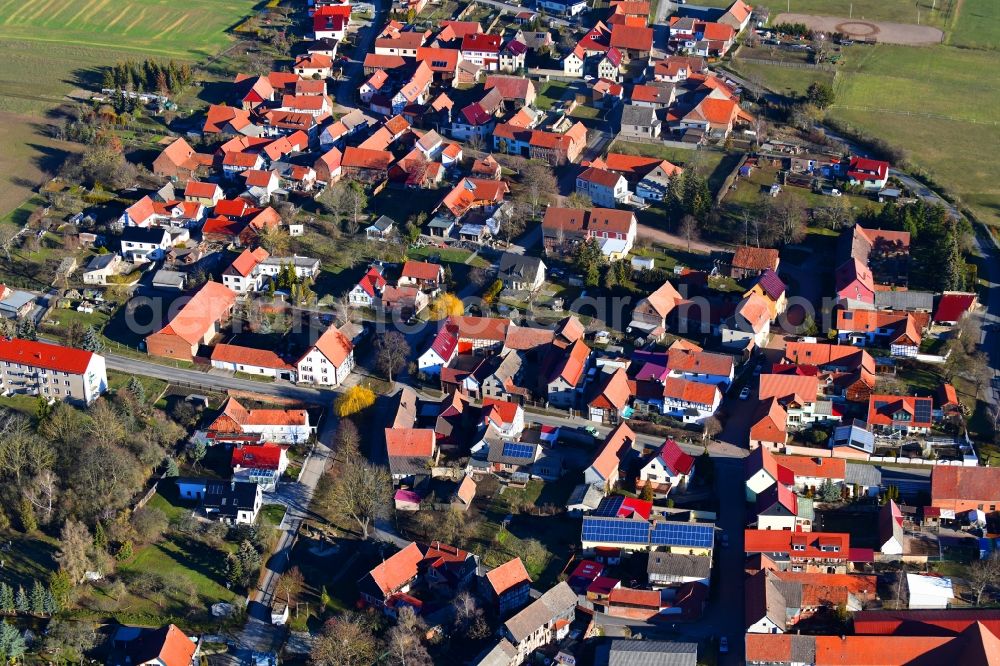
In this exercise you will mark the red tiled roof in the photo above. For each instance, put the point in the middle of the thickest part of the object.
(421, 270)
(397, 570)
(263, 456)
(821, 468)
(675, 458)
(948, 622)
(607, 460)
(481, 42)
(380, 61)
(972, 484)
(44, 355)
(507, 575)
(362, 158)
(788, 387)
(510, 87)
(479, 328)
(635, 38)
(781, 541)
(629, 597)
(200, 190)
(883, 408)
(614, 393)
(572, 363)
(500, 412)
(474, 192)
(770, 424)
(248, 260)
(334, 345)
(600, 177)
(700, 362)
(260, 358)
(690, 391)
(952, 305)
(409, 442)
(207, 307)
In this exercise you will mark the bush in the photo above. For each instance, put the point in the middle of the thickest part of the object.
(354, 400)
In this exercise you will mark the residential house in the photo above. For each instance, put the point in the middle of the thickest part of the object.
(242, 275)
(508, 586)
(411, 451)
(614, 230)
(952, 305)
(328, 361)
(235, 423)
(512, 56)
(851, 370)
(604, 470)
(142, 244)
(331, 21)
(774, 291)
(609, 402)
(554, 148)
(443, 349)
(769, 424)
(257, 362)
(474, 194)
(666, 468)
(262, 464)
(749, 261)
(796, 394)
(328, 167)
(762, 471)
(179, 161)
(778, 508)
(564, 382)
(959, 489)
(871, 175)
(900, 331)
(233, 502)
(653, 95)
(543, 621)
(421, 274)
(604, 188)
(634, 42)
(701, 366)
(366, 165)
(669, 569)
(639, 122)
(369, 288)
(737, 16)
(895, 413)
(690, 401)
(810, 552)
(750, 325)
(634, 535)
(504, 418)
(101, 267)
(563, 7)
(810, 473)
(381, 229)
(482, 50)
(51, 371)
(403, 302)
(165, 646)
(855, 286)
(196, 323)
(313, 66)
(520, 272)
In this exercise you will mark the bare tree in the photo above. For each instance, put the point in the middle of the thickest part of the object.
(362, 492)
(42, 491)
(21, 451)
(345, 641)
(689, 230)
(983, 575)
(405, 646)
(347, 439)
(391, 352)
(290, 584)
(342, 310)
(74, 556)
(711, 427)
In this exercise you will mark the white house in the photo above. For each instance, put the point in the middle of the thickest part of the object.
(504, 417)
(368, 289)
(521, 273)
(573, 63)
(667, 468)
(236, 423)
(701, 366)
(890, 529)
(604, 188)
(305, 267)
(262, 464)
(233, 502)
(101, 268)
(250, 361)
(329, 361)
(441, 352)
(762, 472)
(242, 276)
(690, 401)
(142, 244)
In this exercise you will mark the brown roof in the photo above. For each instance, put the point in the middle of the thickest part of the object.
(756, 258)
(362, 158)
(467, 489)
(510, 87)
(624, 595)
(600, 177)
(507, 575)
(973, 484)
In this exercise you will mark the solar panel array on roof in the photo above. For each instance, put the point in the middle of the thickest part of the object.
(609, 507)
(922, 410)
(615, 530)
(683, 534)
(515, 450)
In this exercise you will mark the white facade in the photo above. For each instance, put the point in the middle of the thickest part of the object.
(243, 284)
(573, 65)
(316, 368)
(690, 412)
(929, 591)
(656, 471)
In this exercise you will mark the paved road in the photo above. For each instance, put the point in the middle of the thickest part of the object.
(198, 379)
(990, 343)
(514, 9)
(363, 44)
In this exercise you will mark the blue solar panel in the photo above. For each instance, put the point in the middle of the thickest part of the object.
(615, 530)
(514, 450)
(922, 411)
(682, 534)
(609, 506)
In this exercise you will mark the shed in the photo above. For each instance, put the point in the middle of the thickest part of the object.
(164, 279)
(929, 591)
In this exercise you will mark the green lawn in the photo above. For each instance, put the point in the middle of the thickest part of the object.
(938, 103)
(788, 81)
(978, 25)
(272, 514)
(898, 11)
(26, 558)
(550, 94)
(152, 386)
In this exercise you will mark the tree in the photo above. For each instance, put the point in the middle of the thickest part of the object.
(809, 326)
(467, 611)
(347, 439)
(689, 230)
(12, 646)
(38, 598)
(490, 295)
(578, 200)
(66, 641)
(345, 640)
(446, 305)
(391, 352)
(290, 584)
(357, 202)
(42, 491)
(477, 276)
(983, 575)
(362, 492)
(646, 494)
(21, 602)
(355, 399)
(171, 469)
(588, 260)
(91, 340)
(820, 94)
(537, 186)
(405, 646)
(829, 492)
(6, 598)
(711, 427)
(149, 524)
(74, 556)
(196, 452)
(274, 239)
(136, 388)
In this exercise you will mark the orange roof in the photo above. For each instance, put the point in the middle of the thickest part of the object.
(883, 650)
(803, 389)
(618, 441)
(248, 260)
(781, 541)
(699, 362)
(717, 32)
(314, 61)
(820, 468)
(665, 299)
(479, 328)
(636, 166)
(821, 354)
(572, 364)
(176, 649)
(632, 8)
(500, 412)
(614, 393)
(473, 193)
(467, 489)
(260, 358)
(439, 60)
(207, 307)
(234, 416)
(180, 153)
(689, 391)
(409, 442)
(421, 270)
(334, 345)
(771, 424)
(740, 10)
(507, 575)
(635, 38)
(362, 158)
(626, 596)
(218, 116)
(600, 177)
(397, 570)
(829, 590)
(718, 111)
(257, 177)
(756, 258)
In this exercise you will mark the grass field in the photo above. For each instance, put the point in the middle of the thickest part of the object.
(26, 157)
(788, 81)
(936, 104)
(897, 11)
(978, 25)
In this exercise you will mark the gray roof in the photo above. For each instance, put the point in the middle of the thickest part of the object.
(295, 260)
(101, 261)
(17, 300)
(677, 564)
(496, 453)
(520, 266)
(501, 654)
(803, 647)
(408, 465)
(643, 116)
(904, 300)
(855, 437)
(559, 600)
(587, 495)
(383, 223)
(624, 652)
(864, 475)
(441, 222)
(170, 278)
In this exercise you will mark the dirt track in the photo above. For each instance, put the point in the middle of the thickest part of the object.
(881, 31)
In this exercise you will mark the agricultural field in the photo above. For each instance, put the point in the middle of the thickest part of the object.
(54, 48)
(934, 103)
(932, 12)
(977, 26)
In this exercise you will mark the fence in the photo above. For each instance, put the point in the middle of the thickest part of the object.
(655, 142)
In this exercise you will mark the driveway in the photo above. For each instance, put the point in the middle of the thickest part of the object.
(666, 238)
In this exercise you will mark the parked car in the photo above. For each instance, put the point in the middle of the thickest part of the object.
(745, 393)
(723, 644)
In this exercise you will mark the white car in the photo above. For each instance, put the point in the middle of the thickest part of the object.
(745, 393)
